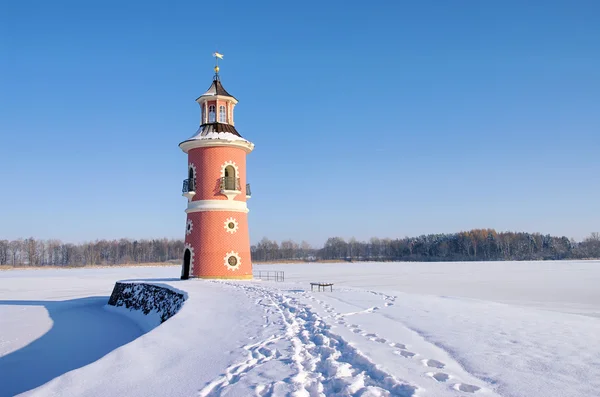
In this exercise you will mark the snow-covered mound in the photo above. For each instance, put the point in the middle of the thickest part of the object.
(148, 304)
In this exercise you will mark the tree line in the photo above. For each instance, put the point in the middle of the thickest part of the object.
(32, 252)
(474, 245)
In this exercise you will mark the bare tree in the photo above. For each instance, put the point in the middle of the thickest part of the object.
(30, 246)
(4, 252)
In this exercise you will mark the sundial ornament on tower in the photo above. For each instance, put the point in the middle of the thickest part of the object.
(217, 243)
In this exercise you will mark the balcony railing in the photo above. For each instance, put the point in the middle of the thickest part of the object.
(189, 185)
(230, 183)
(248, 191)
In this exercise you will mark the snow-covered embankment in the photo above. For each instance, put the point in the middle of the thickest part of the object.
(147, 304)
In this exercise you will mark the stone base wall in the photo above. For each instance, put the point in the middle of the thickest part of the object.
(151, 300)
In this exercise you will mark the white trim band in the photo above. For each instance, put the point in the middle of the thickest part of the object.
(217, 205)
(190, 144)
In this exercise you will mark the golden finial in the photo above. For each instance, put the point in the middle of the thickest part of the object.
(217, 57)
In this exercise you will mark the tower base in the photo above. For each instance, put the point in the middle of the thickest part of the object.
(246, 277)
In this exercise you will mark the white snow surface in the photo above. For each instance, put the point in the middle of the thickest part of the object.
(226, 136)
(387, 329)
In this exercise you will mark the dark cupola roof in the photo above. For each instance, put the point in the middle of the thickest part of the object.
(216, 88)
(217, 131)
(206, 130)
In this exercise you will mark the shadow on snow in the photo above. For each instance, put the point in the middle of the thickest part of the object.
(82, 332)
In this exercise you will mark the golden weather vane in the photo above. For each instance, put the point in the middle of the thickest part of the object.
(217, 56)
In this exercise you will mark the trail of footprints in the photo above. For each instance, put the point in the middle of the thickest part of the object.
(257, 354)
(400, 349)
(324, 362)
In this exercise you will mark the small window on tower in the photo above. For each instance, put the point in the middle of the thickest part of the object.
(229, 180)
(222, 114)
(203, 114)
(212, 117)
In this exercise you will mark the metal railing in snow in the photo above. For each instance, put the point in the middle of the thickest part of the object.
(275, 275)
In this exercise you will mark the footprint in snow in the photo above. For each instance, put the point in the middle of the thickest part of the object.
(434, 364)
(265, 351)
(263, 390)
(356, 330)
(439, 376)
(466, 388)
(374, 338)
(398, 345)
(405, 353)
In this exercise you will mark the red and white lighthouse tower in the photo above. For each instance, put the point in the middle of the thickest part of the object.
(217, 243)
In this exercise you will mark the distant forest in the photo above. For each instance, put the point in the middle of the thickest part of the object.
(474, 245)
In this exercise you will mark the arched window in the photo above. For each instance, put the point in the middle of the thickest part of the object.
(222, 114)
(230, 178)
(192, 180)
(212, 117)
(203, 114)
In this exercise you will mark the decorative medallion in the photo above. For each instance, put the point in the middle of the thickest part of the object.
(189, 227)
(232, 261)
(231, 225)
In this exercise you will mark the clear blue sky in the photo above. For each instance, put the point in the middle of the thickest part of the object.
(385, 119)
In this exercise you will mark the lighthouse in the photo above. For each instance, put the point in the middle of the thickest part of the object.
(217, 242)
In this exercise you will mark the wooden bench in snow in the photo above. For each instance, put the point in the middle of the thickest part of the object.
(321, 285)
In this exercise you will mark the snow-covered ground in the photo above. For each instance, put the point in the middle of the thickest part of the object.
(403, 329)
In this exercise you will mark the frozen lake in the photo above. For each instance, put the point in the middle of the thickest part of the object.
(569, 286)
(515, 329)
